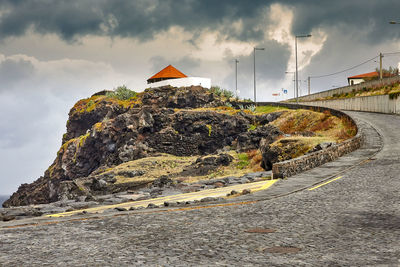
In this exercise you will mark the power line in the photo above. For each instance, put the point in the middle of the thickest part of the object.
(335, 73)
(392, 53)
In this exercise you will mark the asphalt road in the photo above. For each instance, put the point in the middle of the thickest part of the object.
(353, 220)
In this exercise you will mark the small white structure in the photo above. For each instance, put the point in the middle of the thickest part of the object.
(173, 77)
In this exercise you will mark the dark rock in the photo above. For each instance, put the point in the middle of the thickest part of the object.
(6, 218)
(274, 115)
(120, 209)
(163, 181)
(321, 146)
(208, 199)
(251, 139)
(219, 184)
(152, 206)
(205, 165)
(246, 191)
(132, 173)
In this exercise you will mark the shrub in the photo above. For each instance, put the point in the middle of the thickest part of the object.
(216, 90)
(243, 161)
(122, 93)
(228, 104)
(252, 108)
(252, 127)
(228, 94)
(255, 158)
(394, 95)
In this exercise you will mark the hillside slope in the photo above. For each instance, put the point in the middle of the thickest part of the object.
(115, 142)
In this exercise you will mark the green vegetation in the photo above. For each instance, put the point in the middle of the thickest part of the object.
(323, 124)
(216, 90)
(122, 93)
(243, 161)
(252, 127)
(209, 129)
(173, 166)
(391, 90)
(391, 71)
(394, 95)
(122, 96)
(269, 109)
(251, 108)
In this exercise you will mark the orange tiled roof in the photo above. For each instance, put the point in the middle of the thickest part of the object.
(365, 75)
(168, 72)
(369, 75)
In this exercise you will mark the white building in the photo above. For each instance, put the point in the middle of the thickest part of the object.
(173, 77)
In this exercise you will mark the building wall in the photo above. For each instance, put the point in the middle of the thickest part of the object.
(182, 82)
(355, 81)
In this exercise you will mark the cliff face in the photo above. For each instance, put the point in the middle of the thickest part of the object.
(104, 131)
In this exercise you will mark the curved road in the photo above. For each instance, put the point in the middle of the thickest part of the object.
(352, 221)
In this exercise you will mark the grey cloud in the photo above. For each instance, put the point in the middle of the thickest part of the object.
(13, 71)
(187, 65)
(271, 64)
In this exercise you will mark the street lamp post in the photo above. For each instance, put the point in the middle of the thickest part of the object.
(297, 73)
(294, 82)
(236, 63)
(254, 53)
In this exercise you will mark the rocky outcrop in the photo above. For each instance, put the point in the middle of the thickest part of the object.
(103, 132)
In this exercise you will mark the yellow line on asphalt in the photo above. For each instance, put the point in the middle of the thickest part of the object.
(217, 192)
(330, 181)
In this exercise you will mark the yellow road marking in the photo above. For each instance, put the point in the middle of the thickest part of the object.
(145, 212)
(218, 192)
(330, 181)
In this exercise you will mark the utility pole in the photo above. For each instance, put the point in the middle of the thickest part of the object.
(380, 66)
(236, 63)
(294, 82)
(297, 71)
(297, 78)
(255, 93)
(309, 86)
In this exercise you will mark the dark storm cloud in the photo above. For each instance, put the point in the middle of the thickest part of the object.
(139, 19)
(356, 16)
(143, 18)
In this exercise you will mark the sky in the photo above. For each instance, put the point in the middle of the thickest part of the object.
(53, 53)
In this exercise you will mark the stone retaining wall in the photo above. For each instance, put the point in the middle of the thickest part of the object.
(377, 103)
(291, 167)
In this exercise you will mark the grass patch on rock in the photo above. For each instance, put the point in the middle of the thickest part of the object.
(152, 168)
(323, 125)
